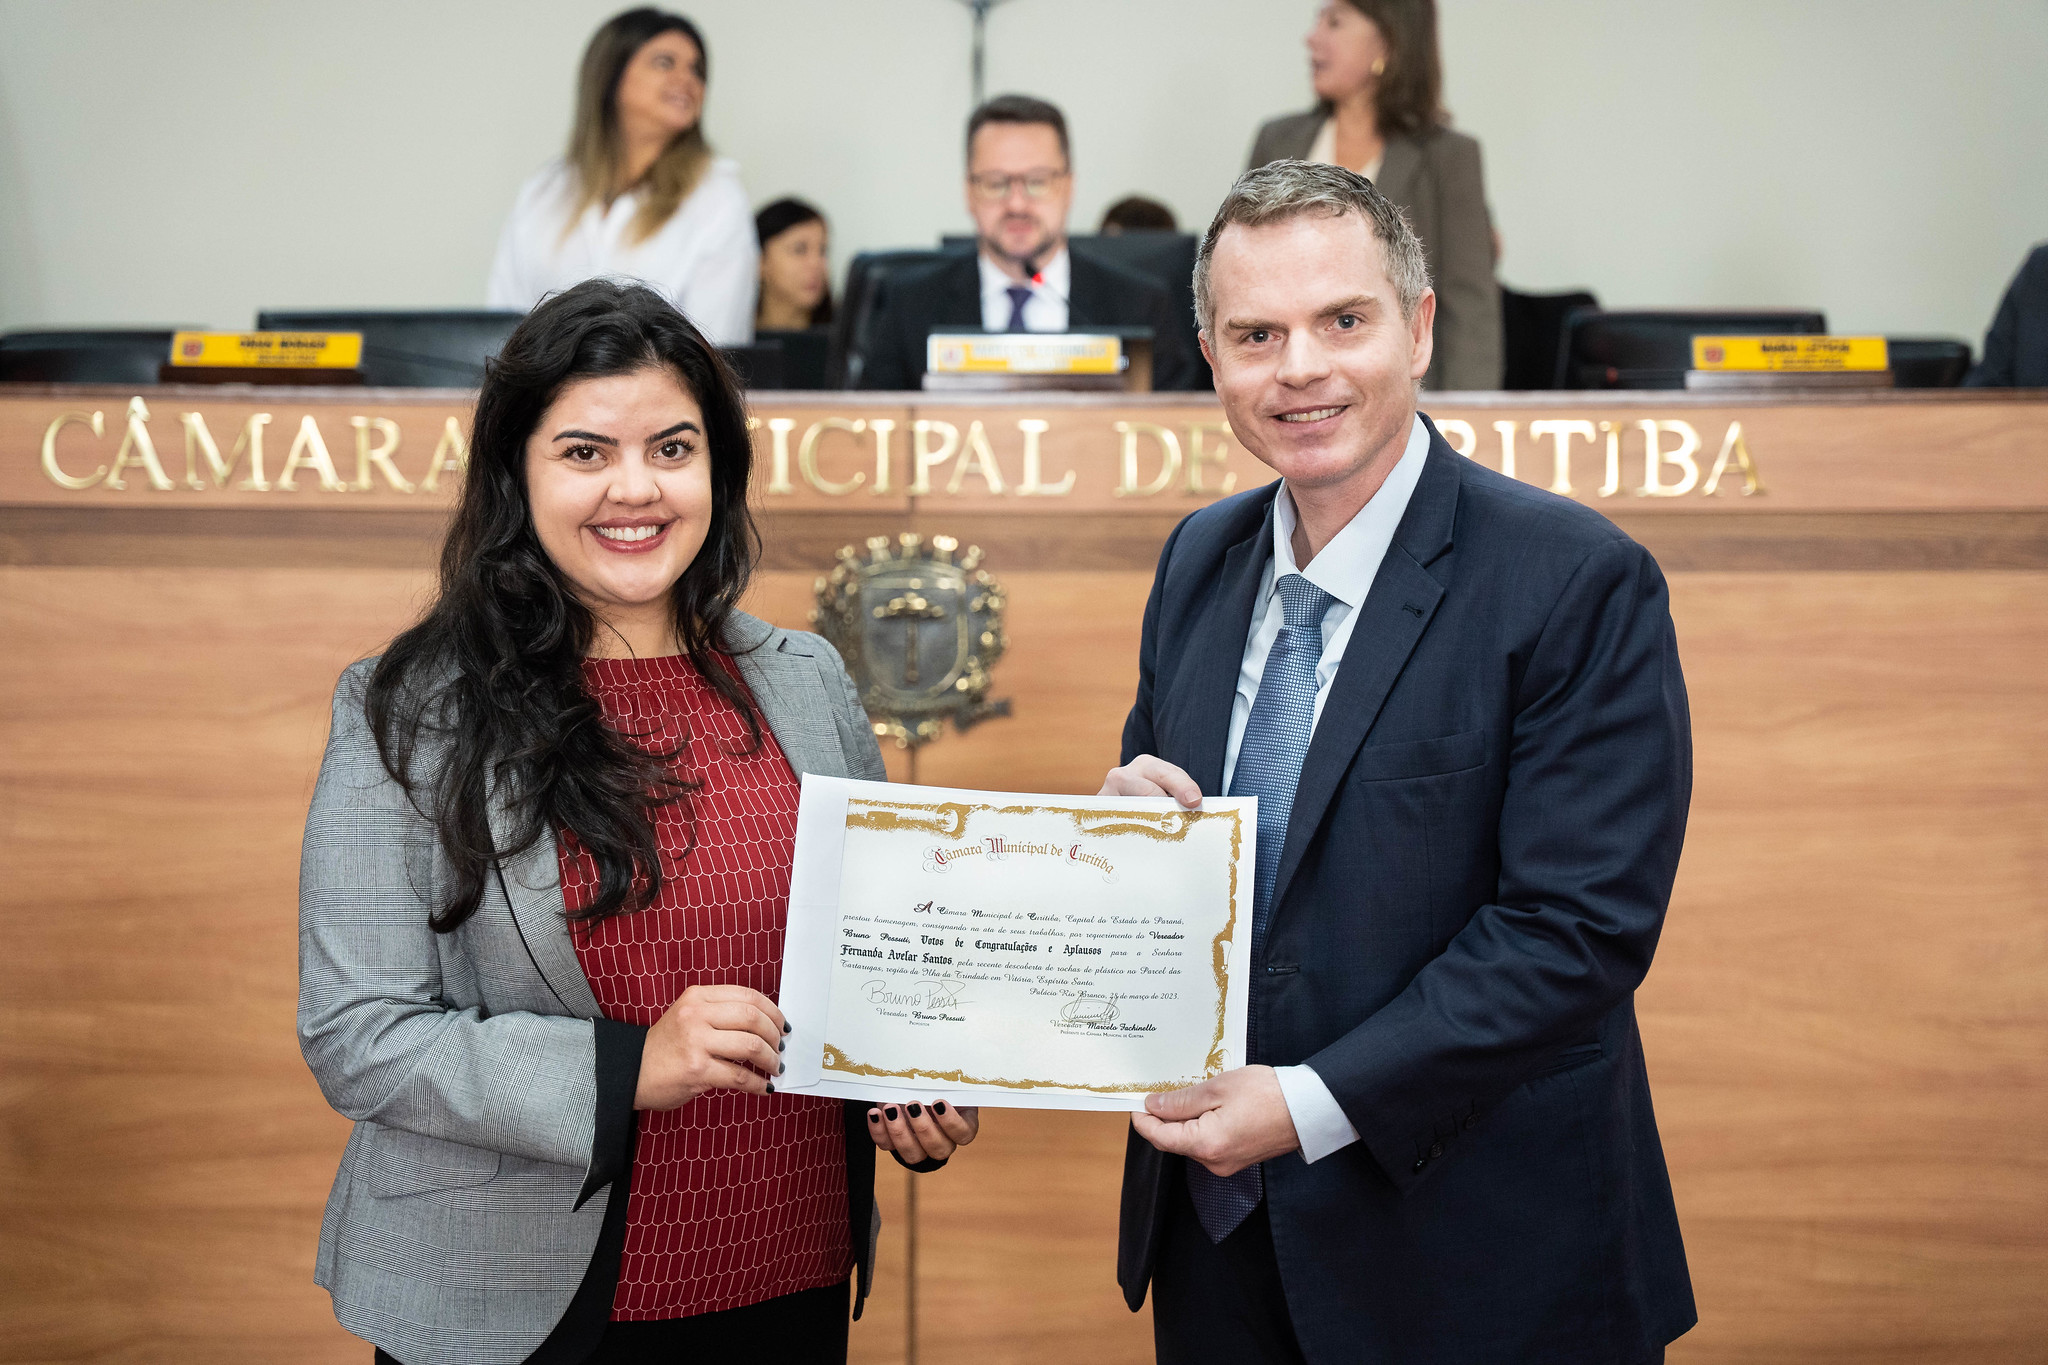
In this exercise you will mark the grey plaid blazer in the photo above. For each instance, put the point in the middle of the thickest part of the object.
(468, 1060)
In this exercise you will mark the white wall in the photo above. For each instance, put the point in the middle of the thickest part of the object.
(194, 161)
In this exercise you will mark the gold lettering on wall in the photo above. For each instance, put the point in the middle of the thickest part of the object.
(976, 455)
(1201, 453)
(1732, 445)
(1655, 458)
(1034, 485)
(379, 455)
(1507, 447)
(778, 452)
(807, 454)
(138, 451)
(98, 422)
(309, 451)
(882, 426)
(451, 454)
(199, 443)
(1459, 435)
(1561, 434)
(1612, 483)
(924, 458)
(1194, 459)
(1169, 465)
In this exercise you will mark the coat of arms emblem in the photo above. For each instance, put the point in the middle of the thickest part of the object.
(918, 624)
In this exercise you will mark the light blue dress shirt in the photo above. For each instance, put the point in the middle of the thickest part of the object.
(1345, 570)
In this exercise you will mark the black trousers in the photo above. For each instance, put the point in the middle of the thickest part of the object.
(804, 1328)
(1218, 1301)
(1221, 1303)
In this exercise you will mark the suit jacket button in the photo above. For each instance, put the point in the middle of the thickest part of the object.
(1468, 1121)
(1436, 1149)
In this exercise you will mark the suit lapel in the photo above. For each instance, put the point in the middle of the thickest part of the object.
(783, 676)
(532, 885)
(1398, 165)
(1207, 687)
(1391, 621)
(1296, 137)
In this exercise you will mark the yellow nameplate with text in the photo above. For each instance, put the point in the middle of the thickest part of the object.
(1024, 353)
(264, 350)
(1790, 353)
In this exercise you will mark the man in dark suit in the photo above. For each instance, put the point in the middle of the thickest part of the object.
(1021, 278)
(1458, 701)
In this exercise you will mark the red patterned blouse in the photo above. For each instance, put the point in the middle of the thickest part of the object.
(735, 1198)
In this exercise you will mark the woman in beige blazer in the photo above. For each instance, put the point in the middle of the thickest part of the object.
(1378, 83)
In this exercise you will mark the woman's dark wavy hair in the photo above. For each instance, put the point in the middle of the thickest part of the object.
(489, 683)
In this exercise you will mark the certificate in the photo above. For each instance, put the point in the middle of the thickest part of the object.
(1045, 952)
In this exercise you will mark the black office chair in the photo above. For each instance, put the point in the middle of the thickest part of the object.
(853, 320)
(761, 365)
(806, 356)
(1652, 348)
(1532, 334)
(411, 348)
(1928, 362)
(1166, 257)
(126, 356)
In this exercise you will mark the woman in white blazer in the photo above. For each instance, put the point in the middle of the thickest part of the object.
(639, 194)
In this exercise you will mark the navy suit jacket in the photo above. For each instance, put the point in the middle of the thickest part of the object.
(1480, 855)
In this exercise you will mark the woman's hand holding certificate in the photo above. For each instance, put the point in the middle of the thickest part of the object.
(1029, 951)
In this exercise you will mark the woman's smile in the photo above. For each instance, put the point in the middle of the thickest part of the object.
(631, 537)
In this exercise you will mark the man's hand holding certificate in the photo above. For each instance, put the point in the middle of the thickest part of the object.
(1051, 952)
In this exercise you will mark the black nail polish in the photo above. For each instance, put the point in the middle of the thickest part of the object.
(874, 1116)
(939, 1107)
(890, 1113)
(771, 1087)
(916, 1110)
(785, 1026)
(781, 1067)
(782, 1047)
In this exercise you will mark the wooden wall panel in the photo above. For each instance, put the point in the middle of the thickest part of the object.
(166, 1151)
(1847, 1024)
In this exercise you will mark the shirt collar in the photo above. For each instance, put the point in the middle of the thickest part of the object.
(1346, 567)
(1056, 279)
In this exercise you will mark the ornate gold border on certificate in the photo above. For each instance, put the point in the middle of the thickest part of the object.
(949, 820)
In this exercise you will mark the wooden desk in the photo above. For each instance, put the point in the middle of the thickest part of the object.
(1847, 1024)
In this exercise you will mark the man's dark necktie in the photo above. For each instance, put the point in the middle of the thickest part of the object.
(1276, 737)
(1020, 294)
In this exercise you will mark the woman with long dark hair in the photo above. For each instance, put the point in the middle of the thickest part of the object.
(639, 194)
(545, 882)
(1378, 80)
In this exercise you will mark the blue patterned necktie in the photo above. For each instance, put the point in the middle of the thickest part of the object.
(1269, 762)
(1019, 296)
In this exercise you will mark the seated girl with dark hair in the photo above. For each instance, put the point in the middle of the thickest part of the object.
(544, 888)
(796, 285)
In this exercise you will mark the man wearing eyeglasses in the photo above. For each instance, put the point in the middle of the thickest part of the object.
(1022, 278)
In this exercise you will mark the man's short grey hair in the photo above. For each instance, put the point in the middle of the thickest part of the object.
(1280, 190)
